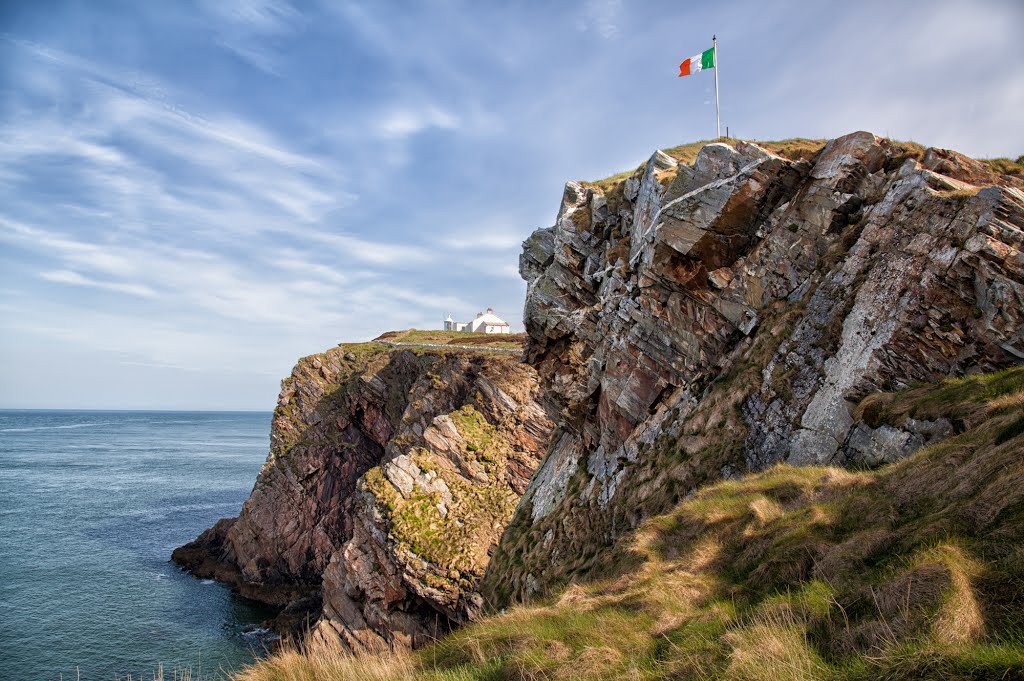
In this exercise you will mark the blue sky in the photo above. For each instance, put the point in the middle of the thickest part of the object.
(194, 194)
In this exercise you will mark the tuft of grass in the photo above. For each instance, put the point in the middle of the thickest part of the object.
(1005, 166)
(776, 647)
(319, 660)
(960, 399)
(1011, 430)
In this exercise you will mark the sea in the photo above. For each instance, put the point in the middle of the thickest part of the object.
(91, 505)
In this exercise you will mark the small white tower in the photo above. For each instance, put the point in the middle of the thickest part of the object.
(449, 323)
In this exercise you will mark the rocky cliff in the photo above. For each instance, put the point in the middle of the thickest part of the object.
(694, 322)
(391, 474)
(710, 315)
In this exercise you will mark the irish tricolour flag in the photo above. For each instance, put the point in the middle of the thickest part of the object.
(697, 63)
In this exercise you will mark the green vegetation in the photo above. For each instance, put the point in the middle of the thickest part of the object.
(966, 400)
(912, 571)
(433, 337)
(1005, 166)
(451, 530)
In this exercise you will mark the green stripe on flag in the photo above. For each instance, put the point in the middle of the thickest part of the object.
(707, 59)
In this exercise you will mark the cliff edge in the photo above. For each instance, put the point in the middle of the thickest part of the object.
(391, 473)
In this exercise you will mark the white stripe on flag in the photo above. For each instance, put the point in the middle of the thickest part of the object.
(695, 64)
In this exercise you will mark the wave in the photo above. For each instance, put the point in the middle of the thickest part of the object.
(71, 425)
(261, 634)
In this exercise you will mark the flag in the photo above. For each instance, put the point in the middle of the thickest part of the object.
(697, 63)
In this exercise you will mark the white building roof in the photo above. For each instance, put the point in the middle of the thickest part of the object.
(490, 319)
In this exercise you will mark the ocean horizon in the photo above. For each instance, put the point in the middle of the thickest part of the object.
(95, 501)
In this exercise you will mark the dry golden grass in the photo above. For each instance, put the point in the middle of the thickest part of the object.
(772, 648)
(319, 660)
(1005, 166)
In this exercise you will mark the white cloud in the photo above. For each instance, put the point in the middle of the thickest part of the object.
(260, 16)
(230, 173)
(372, 252)
(76, 279)
(399, 123)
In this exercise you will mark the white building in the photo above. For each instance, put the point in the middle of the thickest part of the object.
(485, 322)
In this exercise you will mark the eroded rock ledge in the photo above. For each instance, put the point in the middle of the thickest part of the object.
(391, 475)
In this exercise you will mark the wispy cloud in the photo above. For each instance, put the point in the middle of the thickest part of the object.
(247, 28)
(372, 252)
(400, 123)
(76, 279)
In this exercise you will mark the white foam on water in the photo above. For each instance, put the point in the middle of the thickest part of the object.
(72, 425)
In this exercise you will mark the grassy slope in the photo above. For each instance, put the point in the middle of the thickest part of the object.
(915, 570)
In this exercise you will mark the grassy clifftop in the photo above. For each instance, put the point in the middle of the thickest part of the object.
(911, 571)
(485, 341)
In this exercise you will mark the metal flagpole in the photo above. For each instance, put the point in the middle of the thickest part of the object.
(718, 120)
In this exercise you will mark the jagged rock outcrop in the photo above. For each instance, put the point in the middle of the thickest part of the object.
(390, 476)
(427, 519)
(732, 319)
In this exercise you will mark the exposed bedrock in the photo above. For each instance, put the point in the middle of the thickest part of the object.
(696, 322)
(390, 477)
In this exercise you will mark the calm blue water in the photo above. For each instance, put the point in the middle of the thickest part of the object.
(91, 505)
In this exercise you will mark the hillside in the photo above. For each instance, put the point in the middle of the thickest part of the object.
(910, 571)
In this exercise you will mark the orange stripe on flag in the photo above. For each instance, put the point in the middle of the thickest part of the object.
(684, 68)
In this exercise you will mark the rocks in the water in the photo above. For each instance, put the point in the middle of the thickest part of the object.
(733, 319)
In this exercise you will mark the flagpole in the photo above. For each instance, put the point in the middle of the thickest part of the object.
(718, 120)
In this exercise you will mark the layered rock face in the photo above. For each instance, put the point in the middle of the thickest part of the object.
(696, 322)
(334, 418)
(390, 477)
(427, 519)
